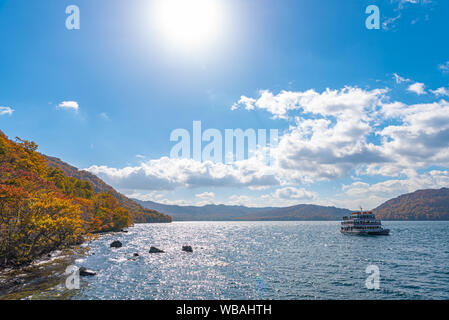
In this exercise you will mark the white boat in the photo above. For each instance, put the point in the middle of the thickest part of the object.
(363, 223)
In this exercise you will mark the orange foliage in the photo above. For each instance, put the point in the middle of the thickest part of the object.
(41, 209)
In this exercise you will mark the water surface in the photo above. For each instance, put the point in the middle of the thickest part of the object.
(265, 260)
(270, 260)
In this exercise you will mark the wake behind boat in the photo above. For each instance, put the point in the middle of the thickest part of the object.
(363, 223)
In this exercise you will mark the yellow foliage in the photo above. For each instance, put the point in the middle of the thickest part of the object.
(42, 210)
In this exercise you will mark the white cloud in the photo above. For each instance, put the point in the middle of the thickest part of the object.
(169, 174)
(333, 139)
(390, 22)
(247, 102)
(282, 197)
(104, 116)
(403, 5)
(323, 148)
(400, 79)
(205, 195)
(277, 105)
(333, 134)
(73, 105)
(418, 140)
(418, 88)
(158, 197)
(440, 92)
(6, 111)
(239, 200)
(329, 102)
(320, 150)
(292, 193)
(371, 195)
(444, 67)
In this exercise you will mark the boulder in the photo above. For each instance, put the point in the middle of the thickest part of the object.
(87, 273)
(116, 244)
(156, 250)
(17, 282)
(187, 249)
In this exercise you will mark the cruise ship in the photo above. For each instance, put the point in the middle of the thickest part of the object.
(363, 223)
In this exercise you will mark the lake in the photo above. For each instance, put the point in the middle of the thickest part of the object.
(263, 260)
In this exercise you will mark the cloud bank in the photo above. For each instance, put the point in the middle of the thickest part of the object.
(6, 111)
(332, 135)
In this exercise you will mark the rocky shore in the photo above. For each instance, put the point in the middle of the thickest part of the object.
(45, 277)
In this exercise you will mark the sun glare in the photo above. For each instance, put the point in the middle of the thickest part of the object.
(188, 23)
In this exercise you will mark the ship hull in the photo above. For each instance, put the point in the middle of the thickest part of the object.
(383, 232)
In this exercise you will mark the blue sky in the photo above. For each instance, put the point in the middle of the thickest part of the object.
(132, 85)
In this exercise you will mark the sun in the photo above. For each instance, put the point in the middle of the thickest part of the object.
(188, 23)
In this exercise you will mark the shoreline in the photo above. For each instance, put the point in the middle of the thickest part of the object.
(41, 275)
(17, 281)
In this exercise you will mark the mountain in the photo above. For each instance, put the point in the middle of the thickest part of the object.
(430, 204)
(139, 213)
(301, 212)
(42, 209)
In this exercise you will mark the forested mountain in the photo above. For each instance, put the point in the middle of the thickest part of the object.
(43, 209)
(301, 212)
(420, 205)
(202, 213)
(430, 204)
(138, 212)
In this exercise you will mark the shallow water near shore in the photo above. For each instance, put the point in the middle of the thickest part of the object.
(43, 279)
(259, 260)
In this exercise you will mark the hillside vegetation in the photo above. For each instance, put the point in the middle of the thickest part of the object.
(430, 204)
(139, 213)
(422, 205)
(302, 212)
(43, 209)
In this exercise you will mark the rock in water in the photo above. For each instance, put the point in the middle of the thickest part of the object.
(187, 249)
(136, 254)
(156, 250)
(87, 273)
(116, 244)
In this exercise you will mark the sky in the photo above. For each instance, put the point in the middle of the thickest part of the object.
(362, 114)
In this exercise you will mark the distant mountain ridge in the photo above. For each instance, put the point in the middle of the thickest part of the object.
(140, 214)
(429, 204)
(302, 212)
(421, 205)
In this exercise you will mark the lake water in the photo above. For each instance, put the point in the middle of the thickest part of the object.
(267, 260)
